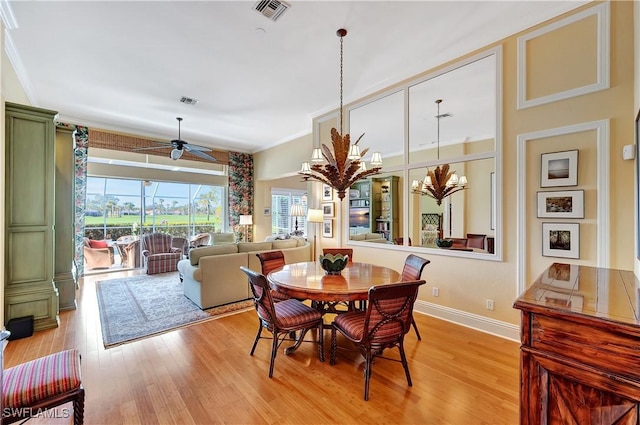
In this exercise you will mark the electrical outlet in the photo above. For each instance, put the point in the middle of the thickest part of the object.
(489, 304)
(435, 292)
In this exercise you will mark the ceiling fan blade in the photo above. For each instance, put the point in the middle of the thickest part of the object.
(148, 148)
(191, 147)
(199, 153)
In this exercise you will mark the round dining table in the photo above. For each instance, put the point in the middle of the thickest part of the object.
(309, 281)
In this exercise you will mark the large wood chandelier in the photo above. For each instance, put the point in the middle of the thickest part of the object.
(343, 166)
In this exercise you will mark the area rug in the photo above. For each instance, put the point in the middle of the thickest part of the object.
(141, 306)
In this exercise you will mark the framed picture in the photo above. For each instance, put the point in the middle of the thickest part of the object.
(561, 240)
(562, 276)
(327, 209)
(559, 169)
(267, 211)
(564, 204)
(327, 192)
(327, 228)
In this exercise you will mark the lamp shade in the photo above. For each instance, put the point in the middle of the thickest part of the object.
(246, 220)
(315, 216)
(296, 211)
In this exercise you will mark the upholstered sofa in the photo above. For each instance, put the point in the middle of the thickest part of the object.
(212, 276)
(368, 237)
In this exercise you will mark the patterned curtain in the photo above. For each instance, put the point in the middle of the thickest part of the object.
(240, 191)
(82, 147)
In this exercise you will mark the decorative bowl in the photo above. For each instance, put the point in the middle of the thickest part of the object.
(444, 243)
(333, 263)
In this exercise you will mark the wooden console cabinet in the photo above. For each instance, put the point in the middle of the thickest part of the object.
(580, 352)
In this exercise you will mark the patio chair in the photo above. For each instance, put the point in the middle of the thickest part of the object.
(412, 270)
(97, 254)
(281, 318)
(383, 325)
(159, 256)
(201, 239)
(181, 243)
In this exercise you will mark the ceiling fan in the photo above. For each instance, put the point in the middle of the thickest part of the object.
(178, 146)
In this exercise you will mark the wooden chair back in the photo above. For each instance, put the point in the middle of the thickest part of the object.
(413, 267)
(475, 240)
(400, 241)
(261, 291)
(271, 261)
(389, 313)
(343, 251)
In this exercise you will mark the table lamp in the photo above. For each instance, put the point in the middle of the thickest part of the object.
(314, 216)
(246, 220)
(296, 211)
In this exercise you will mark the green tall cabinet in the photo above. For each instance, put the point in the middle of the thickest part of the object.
(30, 215)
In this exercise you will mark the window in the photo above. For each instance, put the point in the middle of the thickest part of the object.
(122, 207)
(281, 220)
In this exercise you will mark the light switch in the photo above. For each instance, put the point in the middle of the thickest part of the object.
(628, 152)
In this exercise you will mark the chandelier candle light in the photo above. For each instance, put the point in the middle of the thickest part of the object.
(440, 183)
(344, 166)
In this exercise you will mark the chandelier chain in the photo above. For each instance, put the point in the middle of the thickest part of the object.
(341, 56)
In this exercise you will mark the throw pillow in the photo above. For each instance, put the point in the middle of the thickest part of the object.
(98, 244)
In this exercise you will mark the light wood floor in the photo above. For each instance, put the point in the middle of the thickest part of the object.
(203, 374)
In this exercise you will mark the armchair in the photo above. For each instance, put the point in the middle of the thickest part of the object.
(131, 252)
(159, 254)
(97, 254)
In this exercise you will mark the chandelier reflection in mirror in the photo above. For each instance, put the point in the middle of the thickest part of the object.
(439, 183)
(344, 166)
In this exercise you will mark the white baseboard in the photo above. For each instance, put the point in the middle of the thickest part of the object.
(473, 321)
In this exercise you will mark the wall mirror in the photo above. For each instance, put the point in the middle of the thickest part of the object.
(466, 115)
(381, 120)
(414, 136)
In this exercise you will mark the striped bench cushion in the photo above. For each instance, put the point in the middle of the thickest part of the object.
(37, 380)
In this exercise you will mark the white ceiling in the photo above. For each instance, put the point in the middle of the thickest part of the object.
(123, 65)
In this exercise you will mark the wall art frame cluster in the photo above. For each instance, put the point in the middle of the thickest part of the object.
(559, 169)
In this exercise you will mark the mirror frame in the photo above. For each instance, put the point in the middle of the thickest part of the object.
(407, 166)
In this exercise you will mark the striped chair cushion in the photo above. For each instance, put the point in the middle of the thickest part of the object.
(42, 378)
(352, 323)
(278, 296)
(162, 263)
(292, 313)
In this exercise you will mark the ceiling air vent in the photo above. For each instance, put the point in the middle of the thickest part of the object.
(272, 9)
(188, 100)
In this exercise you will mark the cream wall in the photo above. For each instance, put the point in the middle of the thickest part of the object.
(464, 283)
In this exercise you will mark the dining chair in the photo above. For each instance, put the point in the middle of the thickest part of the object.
(270, 261)
(343, 251)
(412, 270)
(349, 252)
(475, 240)
(400, 241)
(383, 325)
(282, 318)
